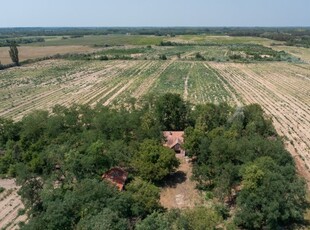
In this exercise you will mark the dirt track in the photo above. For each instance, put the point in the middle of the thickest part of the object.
(180, 190)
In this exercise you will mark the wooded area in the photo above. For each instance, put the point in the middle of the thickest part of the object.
(238, 159)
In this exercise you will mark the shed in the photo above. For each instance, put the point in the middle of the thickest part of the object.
(174, 140)
(116, 176)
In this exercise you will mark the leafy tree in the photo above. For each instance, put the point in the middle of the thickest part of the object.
(104, 220)
(8, 131)
(193, 139)
(200, 218)
(145, 196)
(33, 127)
(153, 161)
(154, 221)
(172, 112)
(14, 53)
(30, 192)
(272, 196)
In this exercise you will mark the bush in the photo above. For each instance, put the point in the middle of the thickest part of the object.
(104, 58)
(163, 57)
(199, 56)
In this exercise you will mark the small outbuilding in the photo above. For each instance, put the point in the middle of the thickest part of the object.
(116, 176)
(174, 140)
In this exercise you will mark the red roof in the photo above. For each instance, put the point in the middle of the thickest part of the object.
(116, 176)
(173, 137)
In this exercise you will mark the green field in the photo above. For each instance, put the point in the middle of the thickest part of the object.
(101, 40)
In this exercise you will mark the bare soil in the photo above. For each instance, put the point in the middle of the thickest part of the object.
(179, 190)
(10, 203)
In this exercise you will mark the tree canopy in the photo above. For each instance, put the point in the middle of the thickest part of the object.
(14, 53)
(58, 159)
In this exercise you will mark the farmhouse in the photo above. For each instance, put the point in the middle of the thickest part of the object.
(174, 140)
(116, 176)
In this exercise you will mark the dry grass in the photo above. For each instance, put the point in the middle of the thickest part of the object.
(31, 52)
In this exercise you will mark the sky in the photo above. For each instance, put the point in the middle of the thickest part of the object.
(162, 13)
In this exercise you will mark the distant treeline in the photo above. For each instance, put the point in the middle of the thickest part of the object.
(7, 42)
(291, 36)
(298, 36)
(73, 31)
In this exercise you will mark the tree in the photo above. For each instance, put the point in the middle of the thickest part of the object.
(145, 196)
(154, 221)
(201, 218)
(172, 111)
(14, 53)
(272, 196)
(106, 219)
(153, 161)
(163, 57)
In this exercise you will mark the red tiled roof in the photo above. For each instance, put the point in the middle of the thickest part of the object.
(173, 137)
(116, 176)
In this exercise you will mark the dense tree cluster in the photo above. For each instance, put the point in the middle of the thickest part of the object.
(241, 160)
(59, 158)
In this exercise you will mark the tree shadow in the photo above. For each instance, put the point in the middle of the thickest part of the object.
(174, 179)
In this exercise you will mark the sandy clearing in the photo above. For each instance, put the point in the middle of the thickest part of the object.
(180, 191)
(10, 203)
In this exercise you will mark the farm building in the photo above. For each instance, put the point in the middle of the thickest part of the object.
(116, 176)
(174, 140)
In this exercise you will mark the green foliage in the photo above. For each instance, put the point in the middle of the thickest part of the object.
(256, 52)
(106, 219)
(154, 221)
(145, 196)
(153, 161)
(238, 153)
(8, 42)
(172, 112)
(201, 218)
(272, 196)
(14, 53)
(2, 189)
(199, 56)
(59, 158)
(162, 57)
(197, 218)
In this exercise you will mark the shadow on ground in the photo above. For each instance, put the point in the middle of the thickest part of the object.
(173, 179)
